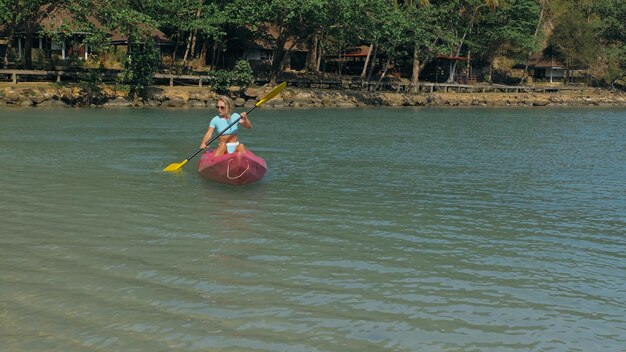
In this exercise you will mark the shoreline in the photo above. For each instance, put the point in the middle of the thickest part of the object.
(49, 95)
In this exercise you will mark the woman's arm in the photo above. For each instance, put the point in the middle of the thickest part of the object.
(245, 122)
(206, 137)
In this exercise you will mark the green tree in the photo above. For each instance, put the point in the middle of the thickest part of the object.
(612, 37)
(242, 74)
(27, 13)
(334, 28)
(190, 22)
(241, 77)
(535, 38)
(426, 32)
(9, 17)
(127, 17)
(130, 18)
(575, 40)
(174, 17)
(396, 32)
(82, 12)
(140, 67)
(465, 17)
(295, 22)
(508, 30)
(212, 25)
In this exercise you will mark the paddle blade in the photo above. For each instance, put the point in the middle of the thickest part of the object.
(175, 166)
(279, 88)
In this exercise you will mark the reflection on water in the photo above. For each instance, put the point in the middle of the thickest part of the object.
(374, 229)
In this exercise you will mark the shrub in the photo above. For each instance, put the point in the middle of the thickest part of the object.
(90, 81)
(140, 67)
(240, 76)
(221, 80)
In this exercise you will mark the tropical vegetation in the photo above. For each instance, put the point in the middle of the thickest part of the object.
(585, 35)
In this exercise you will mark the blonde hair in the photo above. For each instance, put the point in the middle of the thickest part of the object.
(227, 102)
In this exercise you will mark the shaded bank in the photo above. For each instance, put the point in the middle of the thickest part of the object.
(46, 95)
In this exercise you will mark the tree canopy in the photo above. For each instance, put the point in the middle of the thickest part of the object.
(584, 34)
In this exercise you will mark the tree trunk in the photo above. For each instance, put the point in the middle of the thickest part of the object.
(220, 56)
(28, 43)
(311, 60)
(340, 66)
(367, 61)
(193, 45)
(320, 53)
(418, 65)
(275, 68)
(188, 48)
(452, 72)
(287, 57)
(378, 84)
(458, 50)
(278, 57)
(535, 37)
(191, 42)
(415, 74)
(214, 57)
(285, 60)
(30, 21)
(176, 45)
(9, 44)
(203, 53)
(369, 74)
(28, 47)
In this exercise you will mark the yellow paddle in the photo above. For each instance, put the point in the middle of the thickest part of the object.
(267, 97)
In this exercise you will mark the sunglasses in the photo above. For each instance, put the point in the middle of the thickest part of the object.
(219, 107)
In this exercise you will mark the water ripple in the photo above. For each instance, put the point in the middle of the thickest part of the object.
(460, 230)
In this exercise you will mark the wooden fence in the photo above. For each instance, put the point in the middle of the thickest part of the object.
(16, 76)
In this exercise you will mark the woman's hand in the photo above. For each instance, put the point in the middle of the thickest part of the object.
(206, 137)
(244, 120)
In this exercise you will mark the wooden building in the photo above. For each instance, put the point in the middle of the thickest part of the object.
(546, 67)
(58, 37)
(258, 49)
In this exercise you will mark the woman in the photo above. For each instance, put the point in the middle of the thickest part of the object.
(220, 122)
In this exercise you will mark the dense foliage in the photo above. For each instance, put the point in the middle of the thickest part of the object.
(584, 34)
(240, 76)
(140, 66)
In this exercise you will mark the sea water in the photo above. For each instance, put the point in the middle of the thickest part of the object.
(391, 229)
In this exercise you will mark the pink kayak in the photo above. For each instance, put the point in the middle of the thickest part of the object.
(233, 169)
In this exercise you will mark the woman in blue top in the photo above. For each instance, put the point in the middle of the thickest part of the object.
(224, 118)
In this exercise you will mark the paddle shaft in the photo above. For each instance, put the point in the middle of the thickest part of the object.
(219, 134)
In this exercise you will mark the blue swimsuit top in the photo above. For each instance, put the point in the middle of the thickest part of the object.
(220, 124)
